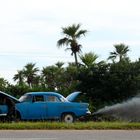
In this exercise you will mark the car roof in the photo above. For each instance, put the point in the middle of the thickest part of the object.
(43, 93)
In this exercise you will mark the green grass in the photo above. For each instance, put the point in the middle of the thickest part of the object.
(76, 126)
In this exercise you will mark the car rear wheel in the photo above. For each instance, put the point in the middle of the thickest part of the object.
(68, 118)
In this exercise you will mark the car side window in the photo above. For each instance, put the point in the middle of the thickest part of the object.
(38, 98)
(51, 98)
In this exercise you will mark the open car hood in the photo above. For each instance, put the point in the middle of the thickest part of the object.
(9, 96)
(71, 97)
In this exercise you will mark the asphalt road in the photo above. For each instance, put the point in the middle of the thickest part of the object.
(70, 135)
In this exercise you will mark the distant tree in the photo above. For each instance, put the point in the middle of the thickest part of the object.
(72, 34)
(30, 72)
(69, 79)
(120, 52)
(36, 81)
(3, 84)
(59, 64)
(108, 84)
(19, 77)
(49, 76)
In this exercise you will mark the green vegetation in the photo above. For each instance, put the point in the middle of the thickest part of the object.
(76, 126)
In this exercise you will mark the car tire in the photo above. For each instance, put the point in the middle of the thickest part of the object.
(68, 117)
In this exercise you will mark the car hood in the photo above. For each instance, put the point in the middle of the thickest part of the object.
(71, 97)
(11, 97)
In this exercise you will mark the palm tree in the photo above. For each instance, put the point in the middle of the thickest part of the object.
(30, 72)
(49, 76)
(89, 59)
(120, 52)
(71, 34)
(59, 64)
(19, 77)
(3, 84)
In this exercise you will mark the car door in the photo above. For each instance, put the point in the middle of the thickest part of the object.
(53, 108)
(37, 108)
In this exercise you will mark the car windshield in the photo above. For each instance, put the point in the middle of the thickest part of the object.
(25, 98)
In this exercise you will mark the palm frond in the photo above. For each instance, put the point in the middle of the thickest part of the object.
(112, 57)
(67, 49)
(89, 59)
(76, 27)
(71, 31)
(63, 41)
(81, 32)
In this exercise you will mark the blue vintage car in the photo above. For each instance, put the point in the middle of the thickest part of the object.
(47, 105)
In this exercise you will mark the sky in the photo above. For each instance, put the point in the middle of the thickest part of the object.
(30, 29)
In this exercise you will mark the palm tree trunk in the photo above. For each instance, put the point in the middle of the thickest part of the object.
(120, 57)
(76, 61)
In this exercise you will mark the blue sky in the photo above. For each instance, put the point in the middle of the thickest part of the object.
(29, 30)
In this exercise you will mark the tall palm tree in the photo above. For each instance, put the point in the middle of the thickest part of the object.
(120, 52)
(71, 35)
(19, 77)
(30, 72)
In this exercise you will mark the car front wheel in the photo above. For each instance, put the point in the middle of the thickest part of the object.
(68, 118)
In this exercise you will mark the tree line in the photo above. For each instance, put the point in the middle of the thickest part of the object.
(104, 82)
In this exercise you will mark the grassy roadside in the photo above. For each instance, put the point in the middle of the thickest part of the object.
(76, 126)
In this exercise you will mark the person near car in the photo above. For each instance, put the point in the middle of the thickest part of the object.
(11, 109)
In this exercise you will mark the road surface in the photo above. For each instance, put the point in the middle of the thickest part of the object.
(69, 134)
